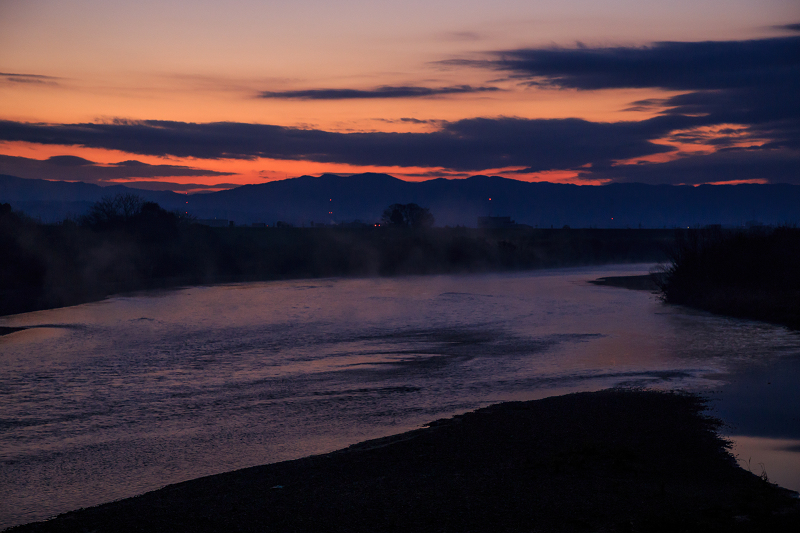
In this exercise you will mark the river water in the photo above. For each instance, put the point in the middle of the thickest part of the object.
(111, 399)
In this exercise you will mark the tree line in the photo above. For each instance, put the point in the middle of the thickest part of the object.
(123, 244)
(746, 273)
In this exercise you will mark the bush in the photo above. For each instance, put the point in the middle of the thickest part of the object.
(754, 273)
(407, 215)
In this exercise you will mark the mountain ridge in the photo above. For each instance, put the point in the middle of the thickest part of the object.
(333, 198)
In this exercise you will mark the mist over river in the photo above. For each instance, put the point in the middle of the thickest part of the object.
(111, 399)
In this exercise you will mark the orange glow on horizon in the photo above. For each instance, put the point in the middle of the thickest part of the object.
(245, 172)
(698, 141)
(760, 181)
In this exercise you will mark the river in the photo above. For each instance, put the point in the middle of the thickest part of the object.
(111, 399)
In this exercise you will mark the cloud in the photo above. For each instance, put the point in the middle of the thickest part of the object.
(410, 120)
(772, 165)
(378, 92)
(465, 145)
(28, 78)
(790, 27)
(747, 86)
(665, 65)
(178, 187)
(751, 83)
(73, 168)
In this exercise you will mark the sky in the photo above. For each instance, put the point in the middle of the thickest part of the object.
(199, 95)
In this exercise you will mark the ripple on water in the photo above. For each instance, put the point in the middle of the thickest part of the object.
(111, 399)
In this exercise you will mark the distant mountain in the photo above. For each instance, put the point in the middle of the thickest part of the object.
(365, 196)
(55, 200)
(332, 198)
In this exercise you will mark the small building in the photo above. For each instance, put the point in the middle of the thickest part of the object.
(495, 222)
(214, 222)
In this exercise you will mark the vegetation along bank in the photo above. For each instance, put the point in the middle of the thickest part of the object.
(124, 244)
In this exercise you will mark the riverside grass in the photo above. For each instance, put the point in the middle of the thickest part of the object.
(751, 273)
(46, 266)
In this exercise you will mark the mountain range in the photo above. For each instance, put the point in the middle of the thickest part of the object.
(333, 198)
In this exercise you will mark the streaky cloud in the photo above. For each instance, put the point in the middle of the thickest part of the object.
(14, 77)
(730, 165)
(176, 187)
(753, 83)
(64, 161)
(378, 92)
(73, 168)
(665, 65)
(464, 145)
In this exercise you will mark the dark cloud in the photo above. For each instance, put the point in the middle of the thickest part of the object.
(409, 120)
(64, 161)
(28, 78)
(773, 165)
(790, 27)
(771, 112)
(649, 104)
(465, 145)
(378, 92)
(178, 187)
(73, 168)
(666, 65)
(752, 83)
(745, 91)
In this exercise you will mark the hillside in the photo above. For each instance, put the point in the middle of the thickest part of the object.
(332, 199)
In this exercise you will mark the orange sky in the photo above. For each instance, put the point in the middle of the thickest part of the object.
(78, 61)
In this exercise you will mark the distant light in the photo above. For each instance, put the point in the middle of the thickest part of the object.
(490, 199)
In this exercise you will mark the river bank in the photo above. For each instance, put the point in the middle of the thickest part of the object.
(645, 282)
(614, 460)
(49, 266)
(740, 273)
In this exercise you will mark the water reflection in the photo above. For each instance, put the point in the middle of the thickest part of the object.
(110, 399)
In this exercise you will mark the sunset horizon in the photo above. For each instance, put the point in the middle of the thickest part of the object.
(194, 97)
(366, 265)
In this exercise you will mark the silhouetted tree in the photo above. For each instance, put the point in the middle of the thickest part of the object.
(407, 215)
(113, 211)
(153, 223)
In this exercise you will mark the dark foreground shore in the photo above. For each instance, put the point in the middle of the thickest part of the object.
(741, 273)
(615, 460)
(645, 282)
